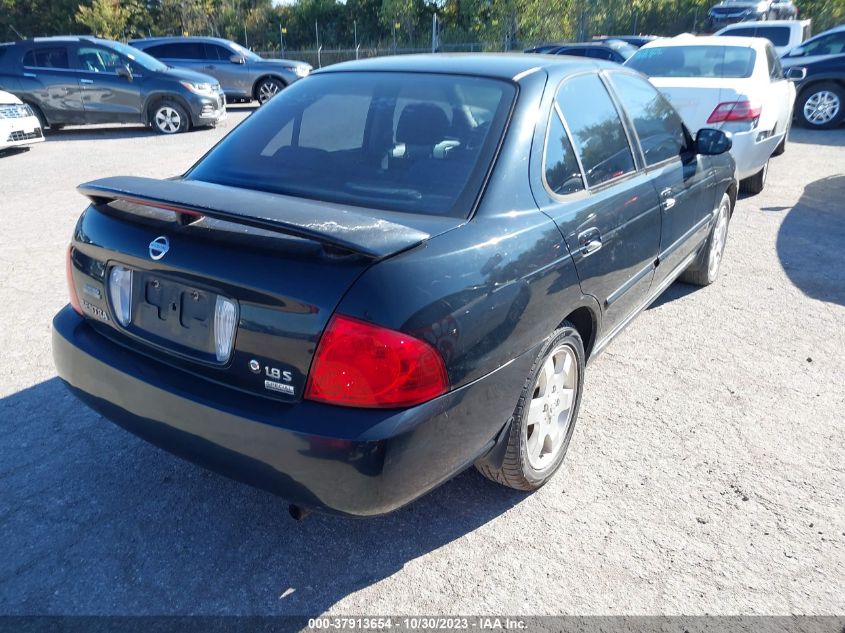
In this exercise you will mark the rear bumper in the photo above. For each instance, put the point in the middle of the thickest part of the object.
(348, 461)
(752, 154)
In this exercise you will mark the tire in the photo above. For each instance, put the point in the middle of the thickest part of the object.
(781, 148)
(267, 88)
(168, 117)
(821, 106)
(705, 269)
(539, 435)
(42, 120)
(755, 183)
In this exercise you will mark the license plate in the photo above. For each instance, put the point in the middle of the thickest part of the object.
(173, 312)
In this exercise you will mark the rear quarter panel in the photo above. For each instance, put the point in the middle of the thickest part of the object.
(491, 289)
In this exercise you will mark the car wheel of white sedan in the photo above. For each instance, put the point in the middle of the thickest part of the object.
(755, 183)
(822, 106)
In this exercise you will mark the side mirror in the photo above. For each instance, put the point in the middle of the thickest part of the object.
(237, 59)
(710, 142)
(796, 73)
(125, 72)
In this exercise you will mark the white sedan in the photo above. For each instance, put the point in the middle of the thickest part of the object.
(735, 84)
(18, 125)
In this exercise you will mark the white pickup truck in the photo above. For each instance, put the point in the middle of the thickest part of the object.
(783, 34)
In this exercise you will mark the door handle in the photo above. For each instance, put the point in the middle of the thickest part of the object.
(589, 241)
(29, 75)
(86, 81)
(667, 201)
(210, 67)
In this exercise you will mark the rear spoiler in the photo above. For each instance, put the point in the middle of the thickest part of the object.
(327, 223)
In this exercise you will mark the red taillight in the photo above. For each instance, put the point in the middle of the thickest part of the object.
(71, 287)
(735, 111)
(359, 364)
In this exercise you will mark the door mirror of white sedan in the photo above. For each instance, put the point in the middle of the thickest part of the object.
(710, 142)
(796, 73)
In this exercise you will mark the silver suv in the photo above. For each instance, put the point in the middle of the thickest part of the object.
(242, 74)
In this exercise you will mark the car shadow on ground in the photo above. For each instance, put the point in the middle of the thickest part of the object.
(98, 522)
(811, 241)
(13, 151)
(677, 290)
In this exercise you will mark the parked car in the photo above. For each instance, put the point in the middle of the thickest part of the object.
(609, 50)
(302, 309)
(79, 80)
(634, 40)
(542, 48)
(731, 11)
(783, 34)
(821, 93)
(18, 124)
(735, 84)
(826, 44)
(243, 74)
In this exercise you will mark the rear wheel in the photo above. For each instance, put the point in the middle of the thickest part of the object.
(267, 89)
(545, 415)
(168, 117)
(822, 106)
(755, 183)
(781, 148)
(705, 269)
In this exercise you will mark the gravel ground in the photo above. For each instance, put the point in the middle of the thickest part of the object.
(706, 474)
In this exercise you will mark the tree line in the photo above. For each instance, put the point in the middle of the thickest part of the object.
(265, 26)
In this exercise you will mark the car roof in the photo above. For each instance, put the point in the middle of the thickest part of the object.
(180, 38)
(762, 25)
(495, 65)
(688, 39)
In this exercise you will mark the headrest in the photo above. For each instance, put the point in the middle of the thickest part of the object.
(422, 124)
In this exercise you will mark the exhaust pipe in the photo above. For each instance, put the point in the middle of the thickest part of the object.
(298, 512)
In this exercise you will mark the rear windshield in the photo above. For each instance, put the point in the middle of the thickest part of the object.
(419, 143)
(694, 61)
(777, 35)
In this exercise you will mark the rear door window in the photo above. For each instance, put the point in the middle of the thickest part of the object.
(47, 57)
(597, 130)
(418, 143)
(186, 50)
(657, 124)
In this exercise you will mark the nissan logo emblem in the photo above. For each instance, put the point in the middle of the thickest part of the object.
(159, 247)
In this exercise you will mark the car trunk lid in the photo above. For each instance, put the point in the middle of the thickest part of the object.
(284, 263)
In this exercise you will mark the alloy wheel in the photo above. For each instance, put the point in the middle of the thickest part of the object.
(717, 243)
(822, 107)
(267, 90)
(168, 120)
(551, 408)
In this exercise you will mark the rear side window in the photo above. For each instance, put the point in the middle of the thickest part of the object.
(47, 57)
(421, 143)
(775, 68)
(597, 131)
(188, 50)
(694, 61)
(657, 124)
(560, 167)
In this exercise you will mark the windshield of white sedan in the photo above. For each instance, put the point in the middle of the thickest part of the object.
(419, 143)
(694, 61)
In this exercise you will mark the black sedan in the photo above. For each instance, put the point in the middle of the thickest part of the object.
(398, 268)
(820, 100)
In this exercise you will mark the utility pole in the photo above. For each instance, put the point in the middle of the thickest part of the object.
(434, 33)
(282, 31)
(246, 41)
